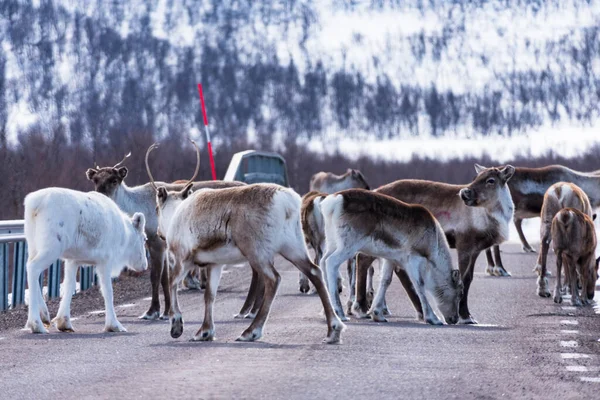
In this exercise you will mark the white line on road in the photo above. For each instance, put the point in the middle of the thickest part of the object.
(147, 298)
(126, 305)
(569, 332)
(571, 356)
(576, 368)
(587, 379)
(97, 312)
(569, 343)
(569, 308)
(569, 322)
(2, 338)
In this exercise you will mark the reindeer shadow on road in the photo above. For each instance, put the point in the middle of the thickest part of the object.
(236, 345)
(75, 335)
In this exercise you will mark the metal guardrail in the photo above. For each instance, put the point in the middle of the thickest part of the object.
(253, 166)
(12, 241)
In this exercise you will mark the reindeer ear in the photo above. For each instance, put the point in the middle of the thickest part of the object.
(161, 195)
(479, 168)
(187, 190)
(507, 172)
(122, 171)
(594, 217)
(139, 221)
(90, 173)
(455, 276)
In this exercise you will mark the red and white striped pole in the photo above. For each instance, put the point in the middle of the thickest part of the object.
(210, 153)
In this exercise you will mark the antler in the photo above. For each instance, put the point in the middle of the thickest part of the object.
(123, 160)
(197, 162)
(154, 146)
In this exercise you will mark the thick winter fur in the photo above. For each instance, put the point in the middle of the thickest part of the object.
(110, 181)
(406, 236)
(574, 242)
(473, 217)
(558, 196)
(79, 228)
(329, 183)
(251, 223)
(528, 187)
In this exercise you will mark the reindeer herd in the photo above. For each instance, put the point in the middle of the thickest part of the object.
(410, 225)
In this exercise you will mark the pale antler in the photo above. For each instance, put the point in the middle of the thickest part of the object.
(123, 160)
(197, 162)
(154, 146)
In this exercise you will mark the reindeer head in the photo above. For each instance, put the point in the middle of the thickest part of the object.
(357, 179)
(137, 245)
(168, 201)
(448, 297)
(489, 187)
(106, 180)
(591, 287)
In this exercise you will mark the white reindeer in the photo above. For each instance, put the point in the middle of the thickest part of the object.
(406, 236)
(228, 226)
(80, 228)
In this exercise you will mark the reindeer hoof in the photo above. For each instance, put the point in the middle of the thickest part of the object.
(377, 316)
(420, 317)
(176, 326)
(489, 270)
(304, 287)
(500, 271)
(467, 321)
(434, 321)
(164, 316)
(575, 301)
(150, 316)
(204, 336)
(386, 311)
(63, 324)
(191, 283)
(36, 326)
(528, 249)
(45, 316)
(250, 336)
(115, 328)
(358, 311)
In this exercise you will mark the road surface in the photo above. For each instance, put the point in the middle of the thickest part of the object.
(524, 347)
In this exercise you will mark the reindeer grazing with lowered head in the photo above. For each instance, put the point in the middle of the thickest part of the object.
(322, 184)
(558, 196)
(474, 217)
(80, 228)
(527, 188)
(574, 241)
(110, 181)
(250, 223)
(406, 236)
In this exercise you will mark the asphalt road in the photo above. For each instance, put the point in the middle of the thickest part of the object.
(524, 347)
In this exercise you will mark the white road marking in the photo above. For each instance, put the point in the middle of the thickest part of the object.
(576, 368)
(147, 298)
(571, 356)
(569, 332)
(74, 319)
(2, 338)
(587, 379)
(126, 305)
(569, 343)
(569, 308)
(569, 322)
(96, 312)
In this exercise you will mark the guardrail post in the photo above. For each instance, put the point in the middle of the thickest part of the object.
(18, 282)
(86, 273)
(3, 276)
(54, 280)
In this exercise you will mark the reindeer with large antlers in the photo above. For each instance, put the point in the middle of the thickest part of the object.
(110, 181)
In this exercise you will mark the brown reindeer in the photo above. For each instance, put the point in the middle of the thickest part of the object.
(406, 236)
(328, 183)
(574, 242)
(558, 196)
(110, 181)
(474, 217)
(527, 188)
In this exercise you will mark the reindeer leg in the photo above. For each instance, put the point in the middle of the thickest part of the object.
(378, 305)
(557, 288)
(334, 325)
(573, 275)
(542, 281)
(207, 331)
(415, 267)
(111, 323)
(410, 290)
(176, 274)
(499, 269)
(351, 284)
(332, 267)
(63, 316)
(157, 258)
(519, 225)
(361, 306)
(250, 297)
(466, 265)
(490, 262)
(35, 266)
(271, 279)
(166, 290)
